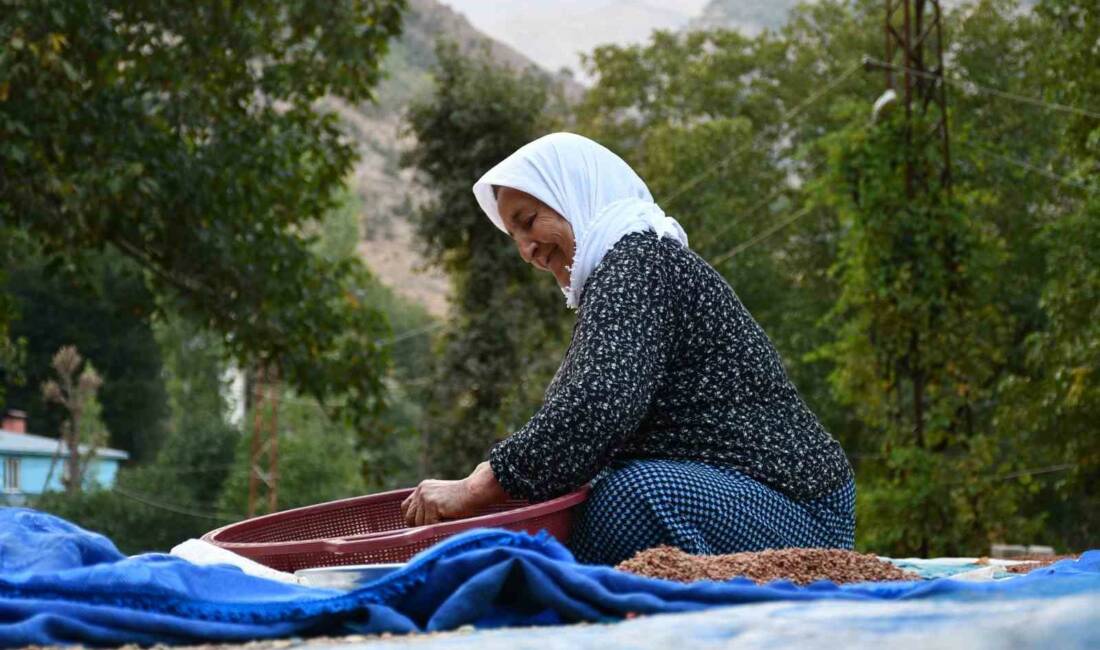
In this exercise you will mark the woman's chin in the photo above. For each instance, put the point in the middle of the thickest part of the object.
(562, 278)
(560, 271)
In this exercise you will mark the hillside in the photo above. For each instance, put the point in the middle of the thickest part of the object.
(554, 32)
(749, 16)
(388, 193)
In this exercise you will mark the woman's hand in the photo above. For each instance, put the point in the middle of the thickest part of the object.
(434, 500)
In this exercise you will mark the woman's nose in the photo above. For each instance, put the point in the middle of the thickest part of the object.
(526, 249)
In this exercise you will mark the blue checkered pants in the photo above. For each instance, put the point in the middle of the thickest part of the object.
(703, 509)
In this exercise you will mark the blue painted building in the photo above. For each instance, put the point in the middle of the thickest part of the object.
(25, 462)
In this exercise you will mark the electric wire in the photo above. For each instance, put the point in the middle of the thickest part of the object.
(970, 85)
(408, 334)
(1006, 476)
(1050, 469)
(1023, 164)
(752, 210)
(989, 90)
(761, 236)
(170, 507)
(783, 119)
(205, 469)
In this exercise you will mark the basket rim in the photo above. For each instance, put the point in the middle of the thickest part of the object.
(382, 539)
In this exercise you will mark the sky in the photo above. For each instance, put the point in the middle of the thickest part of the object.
(553, 32)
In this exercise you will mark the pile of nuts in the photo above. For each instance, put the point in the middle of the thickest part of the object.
(799, 565)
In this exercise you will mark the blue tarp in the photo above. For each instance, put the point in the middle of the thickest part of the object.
(61, 584)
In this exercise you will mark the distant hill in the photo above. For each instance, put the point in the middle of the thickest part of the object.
(553, 32)
(748, 16)
(389, 194)
(753, 16)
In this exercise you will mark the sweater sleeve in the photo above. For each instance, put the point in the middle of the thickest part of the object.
(607, 383)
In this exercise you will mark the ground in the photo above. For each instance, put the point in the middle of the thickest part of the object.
(1059, 622)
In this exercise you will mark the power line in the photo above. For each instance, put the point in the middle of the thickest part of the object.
(1029, 472)
(417, 381)
(751, 211)
(740, 248)
(418, 331)
(785, 117)
(1030, 167)
(736, 250)
(205, 469)
(1033, 471)
(989, 90)
(969, 85)
(302, 400)
(169, 507)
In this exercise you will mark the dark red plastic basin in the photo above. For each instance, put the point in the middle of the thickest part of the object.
(370, 530)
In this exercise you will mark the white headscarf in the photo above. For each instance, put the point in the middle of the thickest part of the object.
(585, 182)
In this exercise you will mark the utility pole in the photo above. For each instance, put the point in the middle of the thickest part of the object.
(264, 459)
(914, 69)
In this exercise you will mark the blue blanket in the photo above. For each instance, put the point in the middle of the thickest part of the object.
(61, 584)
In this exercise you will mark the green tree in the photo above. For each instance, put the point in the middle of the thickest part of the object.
(390, 448)
(317, 461)
(162, 501)
(188, 138)
(12, 348)
(918, 342)
(200, 440)
(760, 147)
(1055, 398)
(105, 312)
(720, 125)
(507, 325)
(83, 435)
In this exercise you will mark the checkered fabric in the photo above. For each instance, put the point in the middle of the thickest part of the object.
(703, 509)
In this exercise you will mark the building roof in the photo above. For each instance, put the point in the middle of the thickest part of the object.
(28, 444)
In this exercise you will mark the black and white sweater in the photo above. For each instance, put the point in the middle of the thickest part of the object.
(666, 362)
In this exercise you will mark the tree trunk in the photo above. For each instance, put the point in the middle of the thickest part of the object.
(74, 482)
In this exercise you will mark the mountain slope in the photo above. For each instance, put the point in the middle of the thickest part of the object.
(554, 34)
(748, 16)
(387, 193)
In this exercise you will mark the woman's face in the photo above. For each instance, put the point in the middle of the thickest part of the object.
(544, 238)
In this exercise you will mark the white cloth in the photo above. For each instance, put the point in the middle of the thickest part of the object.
(590, 186)
(201, 552)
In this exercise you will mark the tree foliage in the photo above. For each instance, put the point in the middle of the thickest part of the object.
(74, 388)
(917, 347)
(389, 449)
(506, 323)
(317, 462)
(950, 340)
(1056, 396)
(161, 501)
(105, 312)
(188, 138)
(965, 400)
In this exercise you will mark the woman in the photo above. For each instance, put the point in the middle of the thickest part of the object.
(670, 395)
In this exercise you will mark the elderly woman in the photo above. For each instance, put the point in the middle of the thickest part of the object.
(671, 399)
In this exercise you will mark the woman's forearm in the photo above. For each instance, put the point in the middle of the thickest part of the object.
(483, 486)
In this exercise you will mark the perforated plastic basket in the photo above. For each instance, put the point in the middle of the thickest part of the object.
(370, 530)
